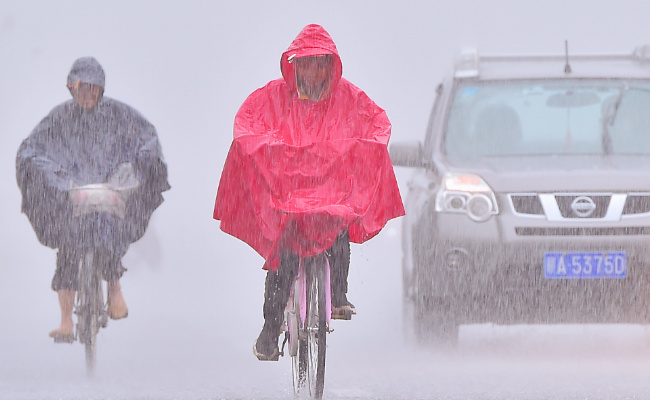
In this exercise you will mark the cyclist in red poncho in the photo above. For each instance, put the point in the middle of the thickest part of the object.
(308, 172)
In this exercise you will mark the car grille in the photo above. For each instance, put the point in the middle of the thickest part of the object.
(527, 204)
(564, 202)
(589, 206)
(637, 204)
(621, 231)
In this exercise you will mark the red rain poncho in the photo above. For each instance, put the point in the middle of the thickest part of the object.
(299, 171)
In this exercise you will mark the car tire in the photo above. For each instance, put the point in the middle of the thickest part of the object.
(435, 314)
(435, 322)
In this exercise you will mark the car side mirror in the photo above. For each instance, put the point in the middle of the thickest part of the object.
(406, 154)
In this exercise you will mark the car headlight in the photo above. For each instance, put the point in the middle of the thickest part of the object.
(468, 194)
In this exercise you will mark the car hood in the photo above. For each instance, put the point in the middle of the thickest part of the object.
(557, 172)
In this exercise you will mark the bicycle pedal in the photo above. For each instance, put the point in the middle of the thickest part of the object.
(286, 339)
(345, 315)
(63, 338)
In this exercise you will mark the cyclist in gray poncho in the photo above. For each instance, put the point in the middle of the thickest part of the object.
(90, 139)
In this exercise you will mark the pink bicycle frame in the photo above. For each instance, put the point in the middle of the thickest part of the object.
(302, 285)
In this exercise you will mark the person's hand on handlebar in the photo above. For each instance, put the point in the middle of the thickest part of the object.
(96, 198)
(103, 196)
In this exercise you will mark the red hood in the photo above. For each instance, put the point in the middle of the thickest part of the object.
(313, 40)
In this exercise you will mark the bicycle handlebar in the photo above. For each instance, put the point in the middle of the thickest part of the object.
(109, 197)
(98, 197)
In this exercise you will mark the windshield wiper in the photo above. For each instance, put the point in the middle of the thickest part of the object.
(609, 119)
(611, 113)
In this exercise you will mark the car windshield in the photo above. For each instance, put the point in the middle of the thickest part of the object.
(516, 118)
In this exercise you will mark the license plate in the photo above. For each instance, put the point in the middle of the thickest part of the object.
(585, 265)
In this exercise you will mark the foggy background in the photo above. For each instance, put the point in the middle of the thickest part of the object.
(195, 293)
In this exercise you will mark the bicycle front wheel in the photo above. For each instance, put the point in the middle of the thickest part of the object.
(90, 304)
(314, 346)
(296, 342)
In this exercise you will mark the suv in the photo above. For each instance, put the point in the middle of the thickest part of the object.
(530, 199)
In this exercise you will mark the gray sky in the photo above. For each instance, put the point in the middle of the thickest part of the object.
(187, 66)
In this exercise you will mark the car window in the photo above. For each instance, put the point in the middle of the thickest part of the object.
(549, 117)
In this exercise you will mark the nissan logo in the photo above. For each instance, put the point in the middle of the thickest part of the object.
(583, 206)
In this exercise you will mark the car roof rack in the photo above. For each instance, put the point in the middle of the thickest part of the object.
(468, 61)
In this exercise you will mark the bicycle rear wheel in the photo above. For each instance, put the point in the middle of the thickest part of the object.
(313, 347)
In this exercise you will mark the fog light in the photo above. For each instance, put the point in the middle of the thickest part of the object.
(479, 207)
(457, 259)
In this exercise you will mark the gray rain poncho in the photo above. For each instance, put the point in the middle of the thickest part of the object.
(73, 146)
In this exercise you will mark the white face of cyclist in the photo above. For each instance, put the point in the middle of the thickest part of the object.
(86, 95)
(313, 76)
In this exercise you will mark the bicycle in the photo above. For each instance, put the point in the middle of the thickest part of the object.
(91, 306)
(90, 309)
(306, 326)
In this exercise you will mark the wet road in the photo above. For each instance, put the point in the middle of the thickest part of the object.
(191, 338)
(549, 363)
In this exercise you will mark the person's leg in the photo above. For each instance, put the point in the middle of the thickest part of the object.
(339, 259)
(117, 308)
(277, 289)
(65, 285)
(113, 243)
(65, 332)
(111, 262)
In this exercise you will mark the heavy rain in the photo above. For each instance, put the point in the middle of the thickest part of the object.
(194, 293)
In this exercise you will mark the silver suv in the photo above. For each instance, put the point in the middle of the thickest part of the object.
(530, 198)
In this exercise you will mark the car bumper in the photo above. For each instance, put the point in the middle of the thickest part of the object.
(495, 273)
(509, 239)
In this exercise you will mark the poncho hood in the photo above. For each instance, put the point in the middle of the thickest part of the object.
(87, 70)
(313, 40)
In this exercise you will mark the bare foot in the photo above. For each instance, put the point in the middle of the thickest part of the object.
(116, 305)
(65, 333)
